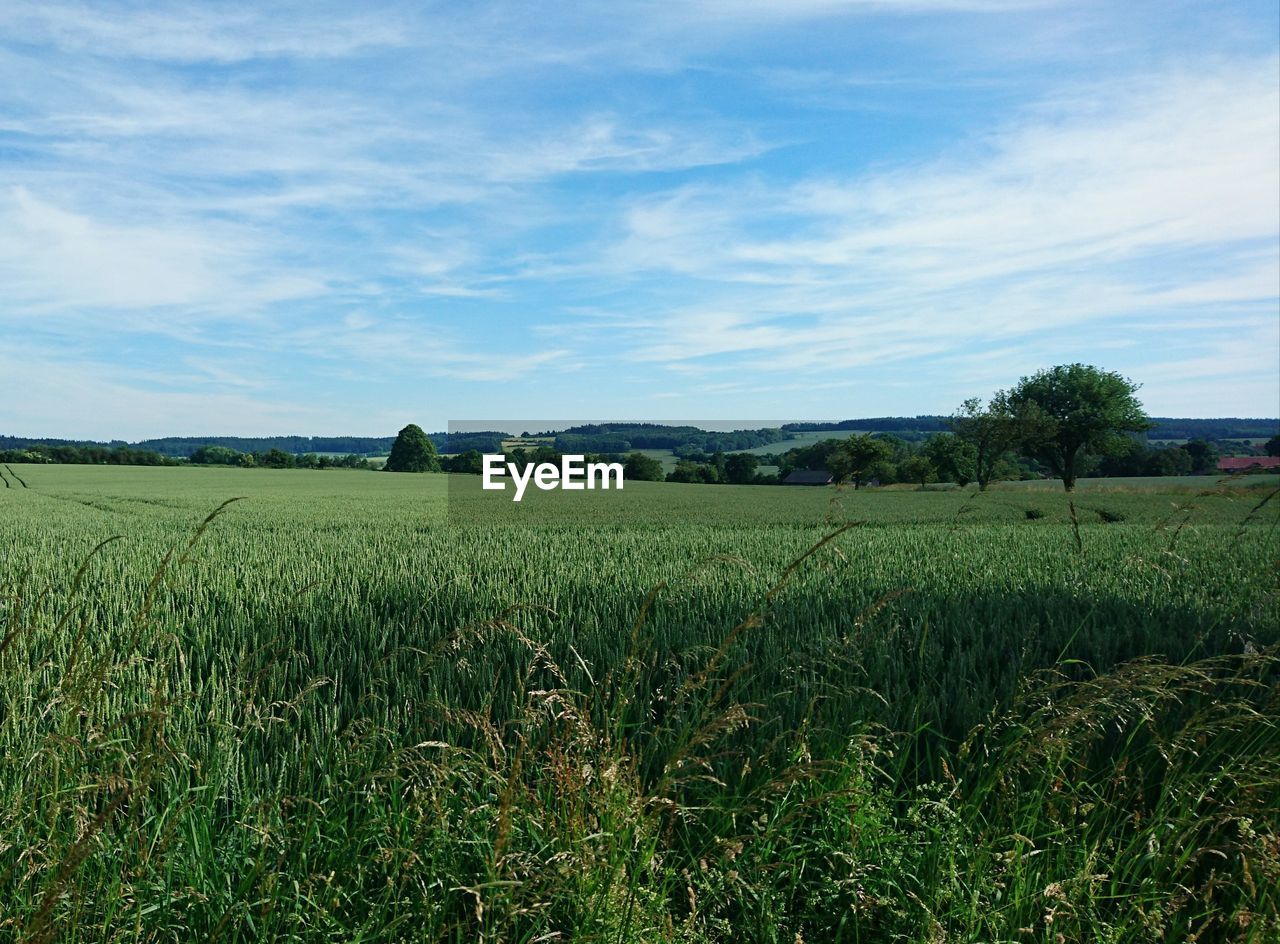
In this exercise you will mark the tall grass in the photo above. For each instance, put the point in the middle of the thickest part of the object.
(770, 733)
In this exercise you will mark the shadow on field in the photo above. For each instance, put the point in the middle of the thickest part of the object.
(929, 666)
(722, 759)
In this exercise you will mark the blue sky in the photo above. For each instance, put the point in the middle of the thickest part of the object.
(259, 218)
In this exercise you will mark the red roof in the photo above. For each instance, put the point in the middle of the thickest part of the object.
(1240, 463)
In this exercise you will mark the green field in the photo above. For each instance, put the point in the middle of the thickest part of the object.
(363, 706)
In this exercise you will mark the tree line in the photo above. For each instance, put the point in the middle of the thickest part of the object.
(1054, 422)
(274, 459)
(911, 428)
(84, 455)
(1062, 422)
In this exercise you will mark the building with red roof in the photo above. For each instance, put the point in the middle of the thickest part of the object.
(1248, 463)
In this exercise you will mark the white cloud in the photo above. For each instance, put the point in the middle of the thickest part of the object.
(200, 32)
(1167, 196)
(418, 348)
(432, 191)
(79, 398)
(54, 259)
(771, 11)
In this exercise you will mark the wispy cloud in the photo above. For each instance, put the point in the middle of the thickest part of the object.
(1071, 215)
(196, 32)
(54, 260)
(314, 210)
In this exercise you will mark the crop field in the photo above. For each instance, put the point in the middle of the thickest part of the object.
(1163, 483)
(259, 705)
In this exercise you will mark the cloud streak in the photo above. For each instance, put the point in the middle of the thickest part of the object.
(1167, 199)
(746, 208)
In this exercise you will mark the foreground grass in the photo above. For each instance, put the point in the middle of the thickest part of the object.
(332, 718)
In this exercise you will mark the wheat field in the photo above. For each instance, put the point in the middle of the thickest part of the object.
(350, 706)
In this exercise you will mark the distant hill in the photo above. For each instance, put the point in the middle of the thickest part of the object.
(1230, 427)
(875, 424)
(624, 437)
(182, 447)
(1166, 427)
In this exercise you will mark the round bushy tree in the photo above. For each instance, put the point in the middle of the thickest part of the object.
(413, 451)
(857, 457)
(1074, 410)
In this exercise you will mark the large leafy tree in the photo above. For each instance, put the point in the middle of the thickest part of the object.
(413, 451)
(1074, 410)
(856, 457)
(989, 430)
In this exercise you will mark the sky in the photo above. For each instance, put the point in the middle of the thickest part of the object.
(270, 218)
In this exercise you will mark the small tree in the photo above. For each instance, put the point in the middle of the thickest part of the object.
(1073, 410)
(855, 458)
(642, 468)
(1204, 456)
(1273, 446)
(1170, 461)
(413, 451)
(917, 468)
(990, 431)
(952, 457)
(215, 455)
(688, 471)
(740, 467)
(470, 462)
(277, 459)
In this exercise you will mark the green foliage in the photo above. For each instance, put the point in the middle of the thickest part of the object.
(1073, 410)
(470, 462)
(857, 458)
(273, 459)
(954, 458)
(740, 468)
(707, 715)
(1204, 457)
(689, 471)
(989, 431)
(1168, 462)
(642, 468)
(413, 452)
(918, 469)
(214, 455)
(682, 440)
(276, 459)
(83, 455)
(814, 458)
